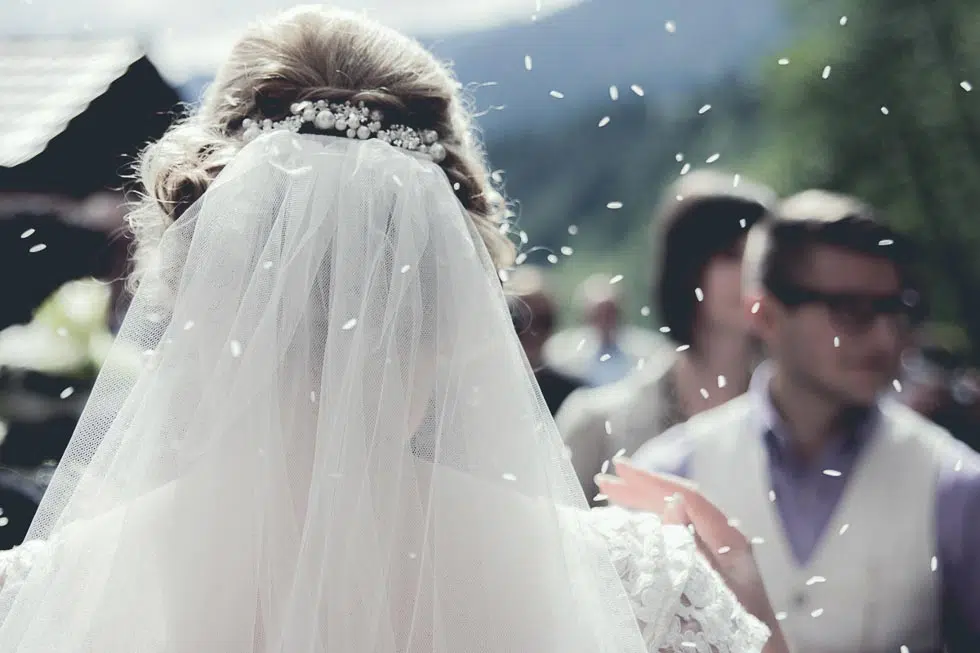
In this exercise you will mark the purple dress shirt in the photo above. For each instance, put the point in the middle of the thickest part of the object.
(806, 499)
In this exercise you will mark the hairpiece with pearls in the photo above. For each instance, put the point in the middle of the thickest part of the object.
(352, 121)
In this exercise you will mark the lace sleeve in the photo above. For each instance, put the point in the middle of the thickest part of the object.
(681, 603)
(16, 563)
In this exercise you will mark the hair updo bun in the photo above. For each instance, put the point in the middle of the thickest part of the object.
(313, 53)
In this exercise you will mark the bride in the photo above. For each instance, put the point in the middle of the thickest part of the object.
(332, 441)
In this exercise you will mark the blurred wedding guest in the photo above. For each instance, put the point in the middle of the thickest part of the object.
(604, 350)
(535, 314)
(698, 230)
(866, 515)
(936, 384)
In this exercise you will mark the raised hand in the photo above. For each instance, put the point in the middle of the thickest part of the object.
(725, 547)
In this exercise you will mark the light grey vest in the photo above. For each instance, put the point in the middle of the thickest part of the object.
(870, 585)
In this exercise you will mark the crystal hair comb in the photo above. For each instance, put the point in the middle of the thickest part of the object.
(353, 122)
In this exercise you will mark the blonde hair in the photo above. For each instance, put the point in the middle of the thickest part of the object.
(313, 53)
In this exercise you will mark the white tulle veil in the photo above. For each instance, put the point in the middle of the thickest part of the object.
(330, 440)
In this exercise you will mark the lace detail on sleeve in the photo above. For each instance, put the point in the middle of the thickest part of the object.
(16, 563)
(681, 603)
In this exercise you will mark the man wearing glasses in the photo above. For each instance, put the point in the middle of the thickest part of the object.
(865, 516)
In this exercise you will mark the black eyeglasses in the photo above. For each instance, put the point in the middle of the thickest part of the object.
(856, 311)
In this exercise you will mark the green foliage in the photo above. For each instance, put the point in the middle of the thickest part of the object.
(793, 126)
(891, 124)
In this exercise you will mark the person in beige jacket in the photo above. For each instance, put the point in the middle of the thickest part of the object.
(699, 229)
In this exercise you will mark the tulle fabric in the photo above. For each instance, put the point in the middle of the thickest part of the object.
(317, 432)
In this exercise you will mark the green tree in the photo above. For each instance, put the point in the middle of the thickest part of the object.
(881, 104)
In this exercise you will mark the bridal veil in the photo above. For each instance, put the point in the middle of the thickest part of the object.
(317, 432)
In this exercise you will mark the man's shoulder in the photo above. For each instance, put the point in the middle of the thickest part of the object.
(596, 405)
(673, 450)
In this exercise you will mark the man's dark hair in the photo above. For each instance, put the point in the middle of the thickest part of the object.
(703, 214)
(816, 217)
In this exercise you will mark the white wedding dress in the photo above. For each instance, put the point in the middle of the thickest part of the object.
(333, 442)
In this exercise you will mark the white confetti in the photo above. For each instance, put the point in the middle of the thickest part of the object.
(780, 616)
(509, 477)
(40, 247)
(813, 580)
(897, 385)
(670, 26)
(934, 563)
(903, 649)
(614, 205)
(884, 111)
(699, 294)
(604, 121)
(552, 259)
(557, 95)
(704, 109)
(831, 472)
(406, 268)
(757, 540)
(524, 237)
(843, 529)
(608, 427)
(28, 233)
(683, 347)
(836, 342)
(581, 343)
(67, 392)
(679, 157)
(350, 324)
(527, 62)
(236, 348)
(725, 549)
(636, 88)
(966, 86)
(615, 280)
(645, 311)
(741, 223)
(520, 258)
(567, 251)
(4, 521)
(958, 466)
(665, 329)
(599, 497)
(734, 523)
(816, 613)
(704, 393)
(605, 467)
(722, 381)
(613, 93)
(714, 157)
(572, 230)
(755, 307)
(686, 168)
(188, 325)
(826, 72)
(604, 358)
(885, 242)
(783, 61)
(843, 20)
(735, 181)
(772, 496)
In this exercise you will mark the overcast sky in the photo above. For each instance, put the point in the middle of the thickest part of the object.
(187, 37)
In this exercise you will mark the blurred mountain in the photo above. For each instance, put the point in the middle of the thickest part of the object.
(666, 47)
